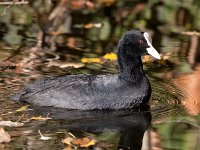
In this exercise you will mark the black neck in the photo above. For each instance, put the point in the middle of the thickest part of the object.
(131, 69)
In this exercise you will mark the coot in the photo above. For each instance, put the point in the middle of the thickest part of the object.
(130, 88)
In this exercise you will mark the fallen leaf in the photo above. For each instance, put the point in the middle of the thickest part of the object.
(78, 142)
(23, 108)
(110, 56)
(83, 142)
(40, 118)
(11, 124)
(90, 60)
(4, 136)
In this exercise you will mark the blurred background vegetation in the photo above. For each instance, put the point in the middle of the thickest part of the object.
(62, 30)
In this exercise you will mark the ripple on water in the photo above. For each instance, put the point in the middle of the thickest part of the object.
(166, 98)
(190, 83)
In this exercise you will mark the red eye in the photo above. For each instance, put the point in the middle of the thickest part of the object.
(141, 41)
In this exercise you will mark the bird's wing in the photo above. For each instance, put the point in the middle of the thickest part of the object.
(86, 84)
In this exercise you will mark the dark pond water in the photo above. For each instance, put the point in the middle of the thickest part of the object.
(52, 38)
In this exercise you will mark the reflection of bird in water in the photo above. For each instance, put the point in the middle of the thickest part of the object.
(130, 124)
(130, 88)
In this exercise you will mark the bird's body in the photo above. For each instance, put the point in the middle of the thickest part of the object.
(130, 88)
(87, 92)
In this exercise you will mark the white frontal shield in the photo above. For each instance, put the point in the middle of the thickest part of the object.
(151, 50)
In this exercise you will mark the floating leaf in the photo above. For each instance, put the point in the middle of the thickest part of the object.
(90, 60)
(23, 108)
(40, 118)
(110, 56)
(78, 142)
(83, 142)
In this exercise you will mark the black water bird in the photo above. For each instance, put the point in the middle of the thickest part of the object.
(130, 88)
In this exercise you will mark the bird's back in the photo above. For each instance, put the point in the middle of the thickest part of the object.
(86, 92)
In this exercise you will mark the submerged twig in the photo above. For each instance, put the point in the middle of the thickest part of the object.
(42, 137)
(20, 118)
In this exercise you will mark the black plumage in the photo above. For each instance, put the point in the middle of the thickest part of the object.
(130, 88)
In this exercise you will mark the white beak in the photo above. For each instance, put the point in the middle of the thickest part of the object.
(151, 50)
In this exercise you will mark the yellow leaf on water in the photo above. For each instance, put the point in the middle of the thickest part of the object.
(23, 108)
(40, 118)
(83, 142)
(90, 60)
(78, 142)
(110, 56)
